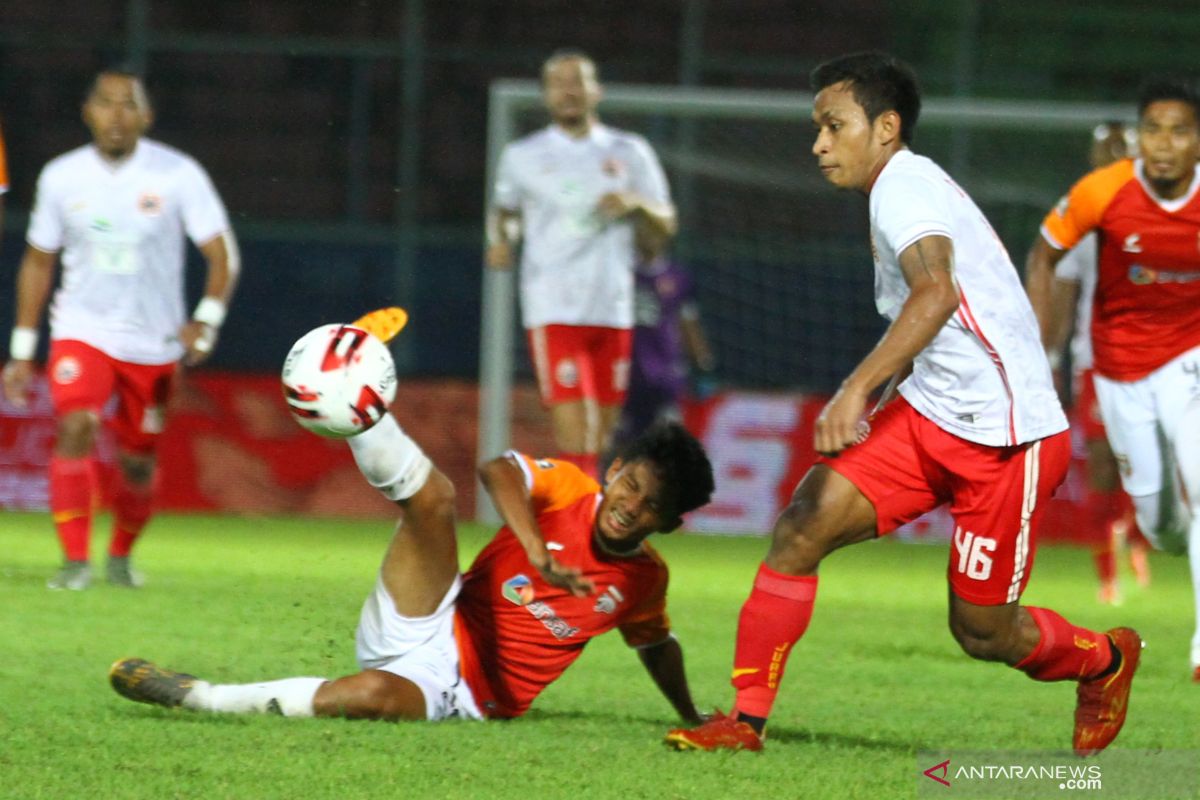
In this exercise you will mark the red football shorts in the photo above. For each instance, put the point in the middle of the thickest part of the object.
(908, 466)
(577, 361)
(82, 377)
(1085, 414)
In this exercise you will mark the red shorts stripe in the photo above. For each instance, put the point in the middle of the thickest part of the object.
(997, 495)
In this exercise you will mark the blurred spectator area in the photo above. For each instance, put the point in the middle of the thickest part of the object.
(348, 139)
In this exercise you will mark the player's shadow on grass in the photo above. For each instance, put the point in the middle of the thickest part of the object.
(781, 734)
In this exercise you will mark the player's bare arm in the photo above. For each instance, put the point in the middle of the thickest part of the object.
(35, 278)
(199, 334)
(503, 233)
(1039, 284)
(505, 485)
(664, 662)
(928, 268)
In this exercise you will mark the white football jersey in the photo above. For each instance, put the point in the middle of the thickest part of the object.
(120, 229)
(1079, 266)
(984, 377)
(576, 267)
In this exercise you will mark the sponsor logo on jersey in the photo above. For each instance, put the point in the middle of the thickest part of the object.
(518, 590)
(544, 463)
(557, 626)
(1133, 243)
(1144, 276)
(607, 603)
(149, 204)
(613, 168)
(67, 370)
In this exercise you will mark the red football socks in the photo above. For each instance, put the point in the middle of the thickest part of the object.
(773, 619)
(1065, 652)
(73, 486)
(131, 511)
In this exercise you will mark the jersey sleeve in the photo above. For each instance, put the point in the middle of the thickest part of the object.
(647, 174)
(46, 226)
(3, 165)
(553, 484)
(506, 194)
(204, 216)
(648, 623)
(909, 208)
(1081, 210)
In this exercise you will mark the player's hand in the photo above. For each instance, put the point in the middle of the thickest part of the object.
(615, 205)
(499, 255)
(198, 339)
(18, 376)
(564, 577)
(840, 423)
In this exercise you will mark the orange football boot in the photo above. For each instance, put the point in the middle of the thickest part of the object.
(383, 323)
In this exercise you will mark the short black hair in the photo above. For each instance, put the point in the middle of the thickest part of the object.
(879, 83)
(1168, 87)
(681, 463)
(122, 70)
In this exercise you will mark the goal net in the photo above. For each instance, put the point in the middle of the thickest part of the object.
(781, 260)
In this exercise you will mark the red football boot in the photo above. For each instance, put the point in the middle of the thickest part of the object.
(718, 733)
(1101, 703)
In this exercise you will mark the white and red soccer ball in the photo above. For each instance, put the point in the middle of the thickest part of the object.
(338, 380)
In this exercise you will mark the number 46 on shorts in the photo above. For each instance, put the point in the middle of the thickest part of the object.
(973, 551)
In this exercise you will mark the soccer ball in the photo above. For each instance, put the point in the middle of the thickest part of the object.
(338, 380)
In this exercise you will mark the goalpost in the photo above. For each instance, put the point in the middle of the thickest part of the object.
(781, 261)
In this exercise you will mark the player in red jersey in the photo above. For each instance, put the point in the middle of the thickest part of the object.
(977, 425)
(1146, 317)
(570, 564)
(1108, 509)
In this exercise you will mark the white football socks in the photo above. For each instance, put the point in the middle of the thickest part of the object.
(291, 697)
(389, 460)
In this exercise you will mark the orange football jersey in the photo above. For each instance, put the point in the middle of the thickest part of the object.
(3, 164)
(516, 633)
(1147, 303)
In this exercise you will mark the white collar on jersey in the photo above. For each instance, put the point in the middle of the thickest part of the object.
(117, 166)
(598, 133)
(1170, 206)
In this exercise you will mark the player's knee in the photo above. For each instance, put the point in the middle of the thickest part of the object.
(137, 470)
(371, 694)
(982, 644)
(77, 433)
(798, 542)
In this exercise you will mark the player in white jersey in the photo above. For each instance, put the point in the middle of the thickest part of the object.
(115, 212)
(977, 425)
(1108, 509)
(574, 192)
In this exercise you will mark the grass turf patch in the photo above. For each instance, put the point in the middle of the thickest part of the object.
(876, 678)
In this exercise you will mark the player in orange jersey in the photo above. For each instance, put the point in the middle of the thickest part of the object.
(1146, 317)
(569, 564)
(1109, 512)
(3, 181)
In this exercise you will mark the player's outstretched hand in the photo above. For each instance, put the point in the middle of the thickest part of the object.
(840, 423)
(565, 577)
(18, 376)
(199, 339)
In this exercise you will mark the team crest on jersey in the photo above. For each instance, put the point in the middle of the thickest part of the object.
(544, 463)
(613, 168)
(149, 204)
(518, 590)
(566, 373)
(607, 602)
(67, 370)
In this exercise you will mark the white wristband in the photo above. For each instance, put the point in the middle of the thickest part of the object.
(23, 344)
(210, 311)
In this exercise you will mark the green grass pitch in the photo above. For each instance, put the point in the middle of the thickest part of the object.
(876, 678)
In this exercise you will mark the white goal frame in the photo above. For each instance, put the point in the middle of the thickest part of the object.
(510, 98)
